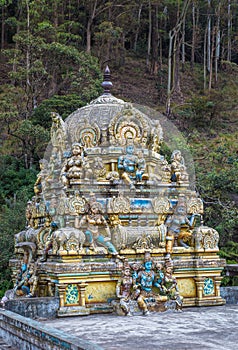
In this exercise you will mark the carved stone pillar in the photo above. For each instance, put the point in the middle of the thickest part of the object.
(199, 285)
(217, 281)
(82, 290)
(51, 289)
(61, 288)
(42, 289)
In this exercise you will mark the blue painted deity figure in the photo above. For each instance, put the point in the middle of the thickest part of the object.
(94, 219)
(26, 282)
(146, 279)
(132, 166)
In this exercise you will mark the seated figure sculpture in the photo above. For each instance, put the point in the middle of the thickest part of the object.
(141, 166)
(93, 219)
(145, 279)
(133, 166)
(73, 167)
(178, 169)
(169, 286)
(175, 224)
(76, 167)
(26, 282)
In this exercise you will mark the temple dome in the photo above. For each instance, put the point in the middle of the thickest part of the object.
(108, 121)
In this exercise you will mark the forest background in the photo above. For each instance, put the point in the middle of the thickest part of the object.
(179, 57)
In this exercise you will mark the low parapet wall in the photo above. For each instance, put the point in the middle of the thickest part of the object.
(230, 294)
(34, 308)
(26, 334)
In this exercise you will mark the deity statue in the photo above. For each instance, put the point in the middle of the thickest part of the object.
(73, 168)
(178, 169)
(58, 135)
(145, 280)
(93, 219)
(51, 227)
(99, 170)
(132, 166)
(155, 144)
(28, 214)
(177, 226)
(76, 167)
(53, 168)
(169, 286)
(42, 178)
(124, 289)
(141, 166)
(27, 279)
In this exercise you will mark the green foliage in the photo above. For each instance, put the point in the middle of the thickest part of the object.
(64, 105)
(165, 151)
(229, 281)
(16, 187)
(201, 112)
(12, 220)
(15, 179)
(217, 183)
(230, 252)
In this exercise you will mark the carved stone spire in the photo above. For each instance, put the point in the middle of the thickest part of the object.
(107, 84)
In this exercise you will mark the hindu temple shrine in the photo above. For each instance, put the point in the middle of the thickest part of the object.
(114, 224)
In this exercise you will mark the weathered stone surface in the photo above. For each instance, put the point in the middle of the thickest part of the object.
(25, 334)
(34, 307)
(230, 294)
(197, 328)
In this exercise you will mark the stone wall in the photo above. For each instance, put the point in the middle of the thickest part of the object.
(230, 294)
(34, 307)
(27, 334)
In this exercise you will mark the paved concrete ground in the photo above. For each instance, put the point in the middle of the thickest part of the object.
(204, 328)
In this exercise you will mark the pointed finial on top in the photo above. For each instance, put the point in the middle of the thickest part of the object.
(107, 84)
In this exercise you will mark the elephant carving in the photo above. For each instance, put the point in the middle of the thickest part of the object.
(69, 239)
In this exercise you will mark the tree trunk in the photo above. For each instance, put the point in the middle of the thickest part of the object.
(176, 77)
(209, 36)
(218, 42)
(174, 53)
(138, 26)
(169, 73)
(56, 17)
(89, 26)
(193, 36)
(154, 40)
(211, 59)
(229, 27)
(3, 28)
(28, 64)
(88, 48)
(205, 61)
(183, 47)
(149, 37)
